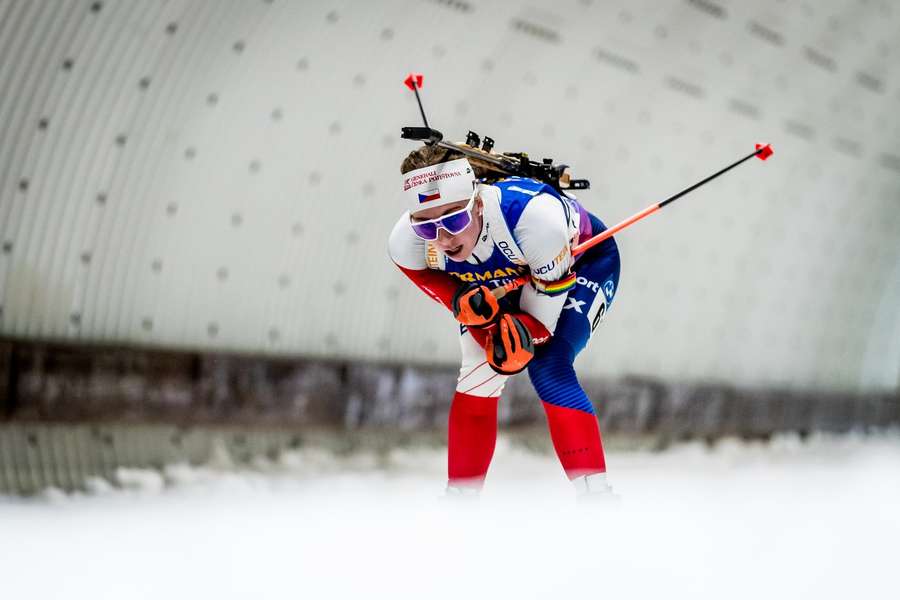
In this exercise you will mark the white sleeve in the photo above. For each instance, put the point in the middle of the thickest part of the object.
(543, 235)
(406, 248)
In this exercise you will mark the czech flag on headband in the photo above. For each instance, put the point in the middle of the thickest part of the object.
(429, 196)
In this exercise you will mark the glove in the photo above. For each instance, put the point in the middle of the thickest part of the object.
(474, 305)
(509, 347)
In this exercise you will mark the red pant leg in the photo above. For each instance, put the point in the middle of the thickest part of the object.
(576, 438)
(472, 435)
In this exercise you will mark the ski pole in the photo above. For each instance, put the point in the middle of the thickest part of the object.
(414, 81)
(761, 152)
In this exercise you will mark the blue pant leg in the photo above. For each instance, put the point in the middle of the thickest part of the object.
(551, 371)
(553, 376)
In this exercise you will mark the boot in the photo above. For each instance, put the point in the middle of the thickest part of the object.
(595, 489)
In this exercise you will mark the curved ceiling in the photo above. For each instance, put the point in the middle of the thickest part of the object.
(223, 174)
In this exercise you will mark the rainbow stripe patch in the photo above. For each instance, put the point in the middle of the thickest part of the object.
(429, 196)
(554, 288)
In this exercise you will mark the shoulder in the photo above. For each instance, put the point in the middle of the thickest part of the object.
(543, 234)
(515, 194)
(410, 251)
(521, 185)
(545, 213)
(525, 216)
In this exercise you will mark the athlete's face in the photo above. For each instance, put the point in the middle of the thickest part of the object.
(456, 247)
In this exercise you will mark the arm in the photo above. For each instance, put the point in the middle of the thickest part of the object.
(410, 254)
(543, 236)
(542, 233)
(439, 286)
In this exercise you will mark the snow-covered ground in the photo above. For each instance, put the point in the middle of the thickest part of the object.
(788, 519)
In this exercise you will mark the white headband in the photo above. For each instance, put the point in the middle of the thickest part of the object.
(438, 185)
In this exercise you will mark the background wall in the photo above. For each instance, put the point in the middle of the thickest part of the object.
(222, 175)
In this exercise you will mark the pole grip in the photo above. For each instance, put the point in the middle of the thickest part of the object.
(504, 289)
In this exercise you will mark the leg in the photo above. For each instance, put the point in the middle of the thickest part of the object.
(472, 430)
(570, 414)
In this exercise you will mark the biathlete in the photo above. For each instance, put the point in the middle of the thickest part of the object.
(461, 238)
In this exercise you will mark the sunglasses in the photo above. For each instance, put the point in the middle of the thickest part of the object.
(453, 222)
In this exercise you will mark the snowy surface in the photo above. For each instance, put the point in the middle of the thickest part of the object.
(815, 519)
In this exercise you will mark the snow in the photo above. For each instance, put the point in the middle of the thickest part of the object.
(814, 519)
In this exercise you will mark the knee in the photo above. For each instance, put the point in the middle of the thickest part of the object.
(553, 377)
(473, 408)
(481, 381)
(558, 354)
(549, 371)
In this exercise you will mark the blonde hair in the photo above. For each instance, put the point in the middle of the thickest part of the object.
(427, 156)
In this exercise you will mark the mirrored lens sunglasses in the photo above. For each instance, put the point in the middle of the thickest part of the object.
(453, 222)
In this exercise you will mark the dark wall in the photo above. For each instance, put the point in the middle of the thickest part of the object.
(65, 383)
